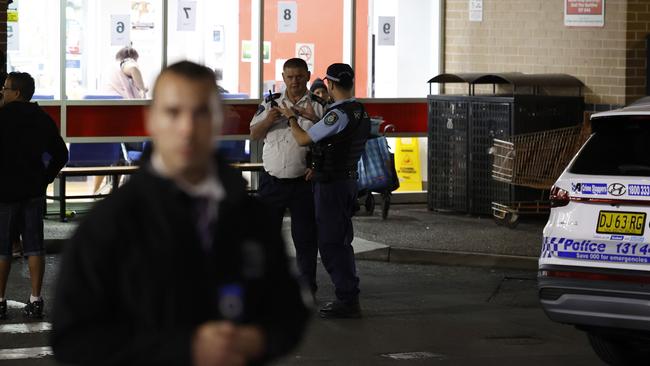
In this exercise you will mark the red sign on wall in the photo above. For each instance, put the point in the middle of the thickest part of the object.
(584, 13)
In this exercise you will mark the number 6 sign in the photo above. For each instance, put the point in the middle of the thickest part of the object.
(120, 30)
(287, 17)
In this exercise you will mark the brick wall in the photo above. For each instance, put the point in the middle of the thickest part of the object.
(638, 29)
(529, 36)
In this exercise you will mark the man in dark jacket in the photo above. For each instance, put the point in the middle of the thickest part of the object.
(179, 266)
(27, 136)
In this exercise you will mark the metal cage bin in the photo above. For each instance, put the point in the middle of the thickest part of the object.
(461, 129)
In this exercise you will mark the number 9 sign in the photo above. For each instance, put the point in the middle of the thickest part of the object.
(386, 31)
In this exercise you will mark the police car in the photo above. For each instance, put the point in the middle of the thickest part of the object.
(594, 267)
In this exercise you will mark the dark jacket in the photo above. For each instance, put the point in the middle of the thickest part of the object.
(28, 139)
(135, 283)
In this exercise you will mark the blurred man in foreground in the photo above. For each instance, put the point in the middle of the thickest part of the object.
(166, 271)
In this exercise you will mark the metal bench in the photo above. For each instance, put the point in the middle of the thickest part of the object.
(114, 172)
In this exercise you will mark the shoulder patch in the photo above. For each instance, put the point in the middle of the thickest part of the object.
(331, 118)
(260, 109)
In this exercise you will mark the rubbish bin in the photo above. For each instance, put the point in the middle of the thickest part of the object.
(461, 129)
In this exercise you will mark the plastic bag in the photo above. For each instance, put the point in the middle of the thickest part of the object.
(376, 167)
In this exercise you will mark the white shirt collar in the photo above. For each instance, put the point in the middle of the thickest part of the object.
(210, 187)
(284, 96)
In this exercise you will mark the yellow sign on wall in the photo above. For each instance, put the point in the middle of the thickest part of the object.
(407, 164)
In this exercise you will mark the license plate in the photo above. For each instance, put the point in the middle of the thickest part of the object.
(616, 222)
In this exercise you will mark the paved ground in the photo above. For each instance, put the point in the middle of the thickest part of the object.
(412, 233)
(413, 315)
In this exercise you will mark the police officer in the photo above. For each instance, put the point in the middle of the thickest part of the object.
(285, 183)
(339, 139)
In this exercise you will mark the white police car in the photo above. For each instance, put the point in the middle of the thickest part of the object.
(594, 267)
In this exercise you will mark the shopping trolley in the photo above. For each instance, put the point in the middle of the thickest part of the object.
(533, 160)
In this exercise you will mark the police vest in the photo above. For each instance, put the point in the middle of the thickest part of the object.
(335, 157)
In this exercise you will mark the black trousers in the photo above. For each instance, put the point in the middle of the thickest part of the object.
(296, 195)
(334, 202)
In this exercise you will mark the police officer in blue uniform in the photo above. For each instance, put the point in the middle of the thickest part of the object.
(338, 140)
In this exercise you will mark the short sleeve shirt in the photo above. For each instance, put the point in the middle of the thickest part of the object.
(281, 155)
(333, 122)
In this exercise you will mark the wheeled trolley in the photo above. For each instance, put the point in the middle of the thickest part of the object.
(533, 160)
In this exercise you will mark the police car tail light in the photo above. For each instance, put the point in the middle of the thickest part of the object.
(595, 276)
(559, 197)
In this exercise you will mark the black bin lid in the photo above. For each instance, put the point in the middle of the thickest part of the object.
(516, 79)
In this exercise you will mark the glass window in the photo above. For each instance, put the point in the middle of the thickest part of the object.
(311, 30)
(397, 47)
(219, 34)
(619, 147)
(33, 44)
(96, 31)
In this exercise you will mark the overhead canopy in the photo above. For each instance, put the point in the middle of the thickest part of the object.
(467, 77)
(516, 79)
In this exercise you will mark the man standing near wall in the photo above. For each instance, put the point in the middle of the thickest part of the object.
(285, 183)
(27, 133)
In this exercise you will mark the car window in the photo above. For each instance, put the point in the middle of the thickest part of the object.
(620, 148)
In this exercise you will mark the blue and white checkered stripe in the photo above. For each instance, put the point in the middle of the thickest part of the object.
(549, 246)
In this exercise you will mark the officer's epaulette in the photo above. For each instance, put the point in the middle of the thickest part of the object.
(271, 97)
(318, 99)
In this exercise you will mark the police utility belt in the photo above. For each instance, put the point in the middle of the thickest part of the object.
(325, 177)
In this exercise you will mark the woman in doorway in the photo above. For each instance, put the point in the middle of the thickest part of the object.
(126, 80)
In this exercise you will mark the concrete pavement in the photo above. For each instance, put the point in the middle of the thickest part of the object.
(413, 234)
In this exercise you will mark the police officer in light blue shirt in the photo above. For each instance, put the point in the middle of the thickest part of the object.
(338, 140)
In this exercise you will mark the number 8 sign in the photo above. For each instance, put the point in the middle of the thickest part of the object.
(287, 17)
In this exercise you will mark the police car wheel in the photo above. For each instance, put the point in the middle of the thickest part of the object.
(616, 351)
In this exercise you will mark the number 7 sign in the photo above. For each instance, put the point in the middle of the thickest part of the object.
(186, 16)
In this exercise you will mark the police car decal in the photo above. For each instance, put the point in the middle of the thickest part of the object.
(331, 118)
(642, 190)
(617, 251)
(590, 188)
